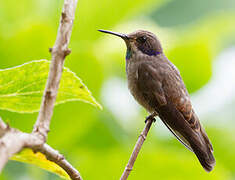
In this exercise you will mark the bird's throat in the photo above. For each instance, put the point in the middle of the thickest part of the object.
(128, 53)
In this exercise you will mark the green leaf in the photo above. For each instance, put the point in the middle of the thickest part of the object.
(21, 88)
(39, 159)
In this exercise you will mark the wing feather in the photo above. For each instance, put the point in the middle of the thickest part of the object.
(164, 91)
(149, 82)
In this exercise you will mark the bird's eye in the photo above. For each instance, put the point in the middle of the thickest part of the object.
(141, 39)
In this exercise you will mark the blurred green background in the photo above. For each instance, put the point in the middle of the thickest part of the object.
(198, 37)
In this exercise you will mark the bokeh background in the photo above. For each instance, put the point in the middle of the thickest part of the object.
(198, 37)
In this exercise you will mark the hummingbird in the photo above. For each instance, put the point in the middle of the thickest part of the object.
(156, 84)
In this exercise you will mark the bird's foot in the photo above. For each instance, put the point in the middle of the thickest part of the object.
(151, 117)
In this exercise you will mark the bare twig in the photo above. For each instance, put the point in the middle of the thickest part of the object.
(13, 140)
(58, 52)
(59, 159)
(3, 128)
(138, 145)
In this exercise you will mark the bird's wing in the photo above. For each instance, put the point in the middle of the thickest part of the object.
(192, 129)
(164, 90)
(149, 83)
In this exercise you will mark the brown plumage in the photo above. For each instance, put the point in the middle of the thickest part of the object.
(157, 85)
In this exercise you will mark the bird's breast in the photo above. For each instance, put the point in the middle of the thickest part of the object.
(132, 79)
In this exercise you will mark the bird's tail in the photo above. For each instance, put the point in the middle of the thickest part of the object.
(190, 133)
(204, 150)
(198, 143)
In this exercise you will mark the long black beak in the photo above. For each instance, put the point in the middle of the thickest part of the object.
(121, 35)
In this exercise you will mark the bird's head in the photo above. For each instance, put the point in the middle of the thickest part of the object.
(139, 41)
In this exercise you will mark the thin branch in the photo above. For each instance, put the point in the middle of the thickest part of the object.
(13, 141)
(58, 52)
(138, 145)
(59, 159)
(3, 128)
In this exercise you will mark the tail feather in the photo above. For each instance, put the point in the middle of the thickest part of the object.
(190, 133)
(200, 144)
(206, 139)
(204, 151)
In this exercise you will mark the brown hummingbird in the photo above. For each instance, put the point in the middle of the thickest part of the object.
(157, 85)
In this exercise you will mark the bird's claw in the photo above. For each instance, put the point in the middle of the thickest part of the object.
(147, 119)
(151, 117)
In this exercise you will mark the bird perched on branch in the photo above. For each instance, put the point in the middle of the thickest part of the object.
(157, 85)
